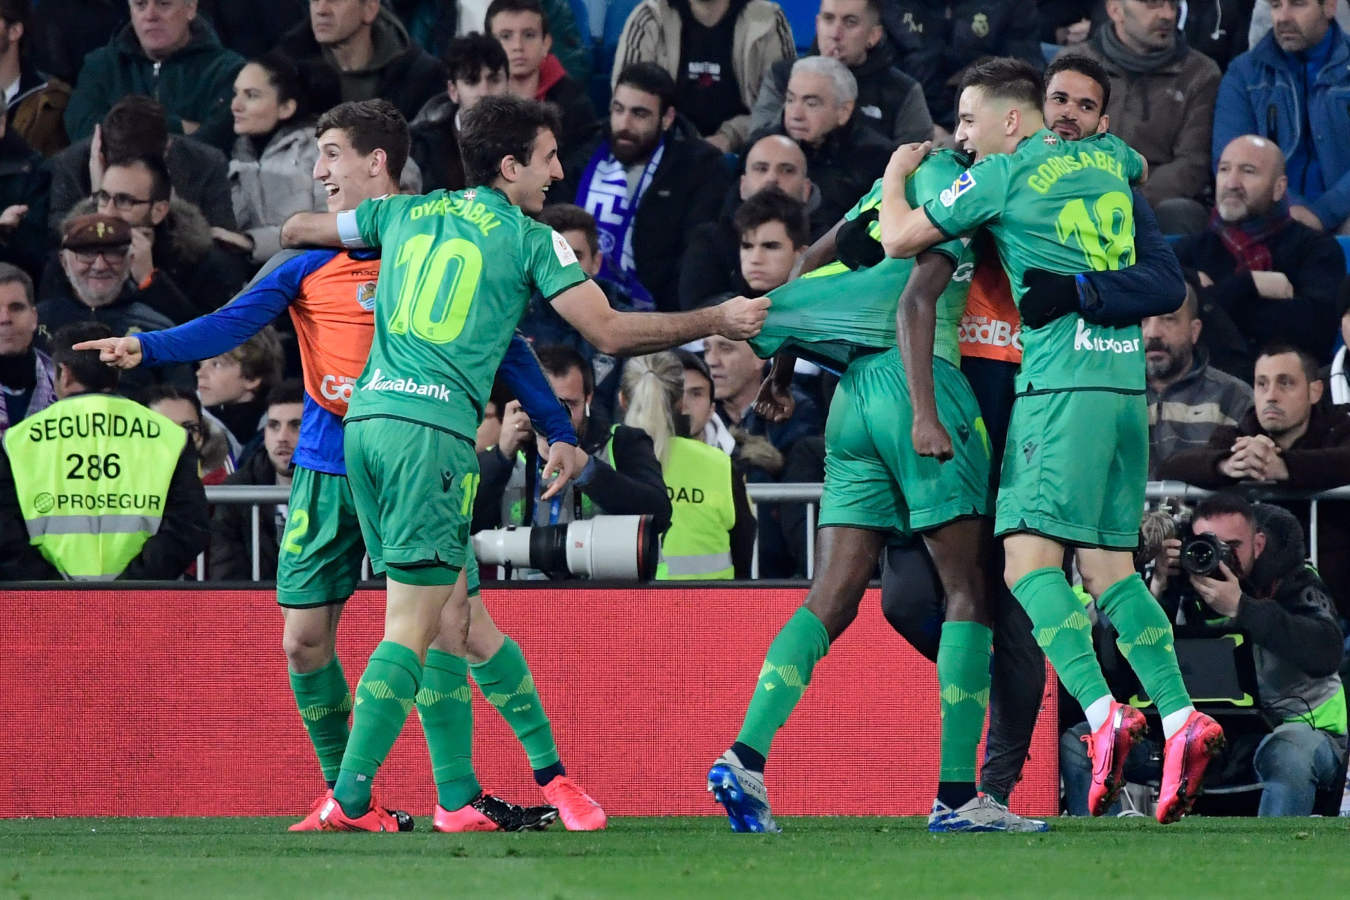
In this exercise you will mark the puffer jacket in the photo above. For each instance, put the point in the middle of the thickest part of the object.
(268, 189)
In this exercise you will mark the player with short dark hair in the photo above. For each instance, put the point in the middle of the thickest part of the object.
(468, 263)
(1078, 440)
(329, 296)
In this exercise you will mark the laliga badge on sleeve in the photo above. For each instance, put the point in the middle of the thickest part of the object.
(964, 182)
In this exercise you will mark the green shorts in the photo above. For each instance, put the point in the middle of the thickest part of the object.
(413, 487)
(1075, 467)
(319, 561)
(320, 556)
(873, 477)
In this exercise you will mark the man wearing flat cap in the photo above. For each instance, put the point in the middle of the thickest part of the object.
(97, 288)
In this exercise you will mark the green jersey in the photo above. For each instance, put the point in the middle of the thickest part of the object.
(834, 313)
(458, 271)
(1062, 206)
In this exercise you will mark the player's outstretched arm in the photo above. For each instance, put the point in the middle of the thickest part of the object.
(118, 352)
(520, 371)
(821, 252)
(311, 229)
(915, 322)
(905, 231)
(635, 333)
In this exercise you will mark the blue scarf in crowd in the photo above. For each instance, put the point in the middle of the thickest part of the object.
(604, 194)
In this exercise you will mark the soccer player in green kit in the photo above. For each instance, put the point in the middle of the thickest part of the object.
(877, 486)
(458, 273)
(1076, 462)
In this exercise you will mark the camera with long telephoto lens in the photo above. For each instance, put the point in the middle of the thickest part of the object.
(624, 548)
(1202, 554)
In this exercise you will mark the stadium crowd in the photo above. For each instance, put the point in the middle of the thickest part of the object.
(152, 150)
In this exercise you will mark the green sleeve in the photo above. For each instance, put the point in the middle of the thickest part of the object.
(867, 201)
(976, 196)
(552, 265)
(937, 173)
(374, 216)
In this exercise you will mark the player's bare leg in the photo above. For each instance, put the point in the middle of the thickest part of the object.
(1145, 640)
(387, 691)
(845, 561)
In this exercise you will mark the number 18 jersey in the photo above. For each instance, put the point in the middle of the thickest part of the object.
(458, 271)
(1062, 206)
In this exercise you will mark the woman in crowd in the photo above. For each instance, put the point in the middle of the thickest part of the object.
(712, 529)
(272, 165)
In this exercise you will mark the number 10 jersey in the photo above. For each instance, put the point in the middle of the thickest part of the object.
(458, 271)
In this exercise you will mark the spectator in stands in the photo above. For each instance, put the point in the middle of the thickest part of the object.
(1264, 276)
(1218, 28)
(1262, 20)
(535, 73)
(26, 373)
(1161, 104)
(1291, 441)
(935, 42)
(477, 68)
(63, 32)
(93, 284)
(699, 398)
(234, 386)
(1286, 613)
(170, 235)
(773, 237)
(763, 449)
(712, 528)
(621, 474)
(231, 557)
(166, 52)
(136, 126)
(889, 101)
(34, 102)
(1187, 397)
(371, 52)
(542, 326)
(1290, 88)
(214, 445)
(434, 23)
(149, 462)
(712, 264)
(25, 186)
(843, 156)
(717, 69)
(272, 164)
(649, 180)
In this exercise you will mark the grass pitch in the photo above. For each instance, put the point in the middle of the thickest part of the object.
(675, 857)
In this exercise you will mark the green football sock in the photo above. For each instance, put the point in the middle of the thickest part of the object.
(444, 704)
(800, 644)
(383, 697)
(324, 702)
(1145, 639)
(1063, 631)
(963, 682)
(506, 682)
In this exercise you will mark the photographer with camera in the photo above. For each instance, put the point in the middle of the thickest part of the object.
(1245, 567)
(620, 474)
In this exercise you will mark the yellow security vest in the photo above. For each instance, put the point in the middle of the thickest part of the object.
(698, 482)
(92, 473)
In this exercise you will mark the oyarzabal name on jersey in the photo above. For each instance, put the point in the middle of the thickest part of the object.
(1084, 339)
(406, 386)
(469, 210)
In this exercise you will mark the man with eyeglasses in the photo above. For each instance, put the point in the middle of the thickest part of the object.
(95, 262)
(169, 235)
